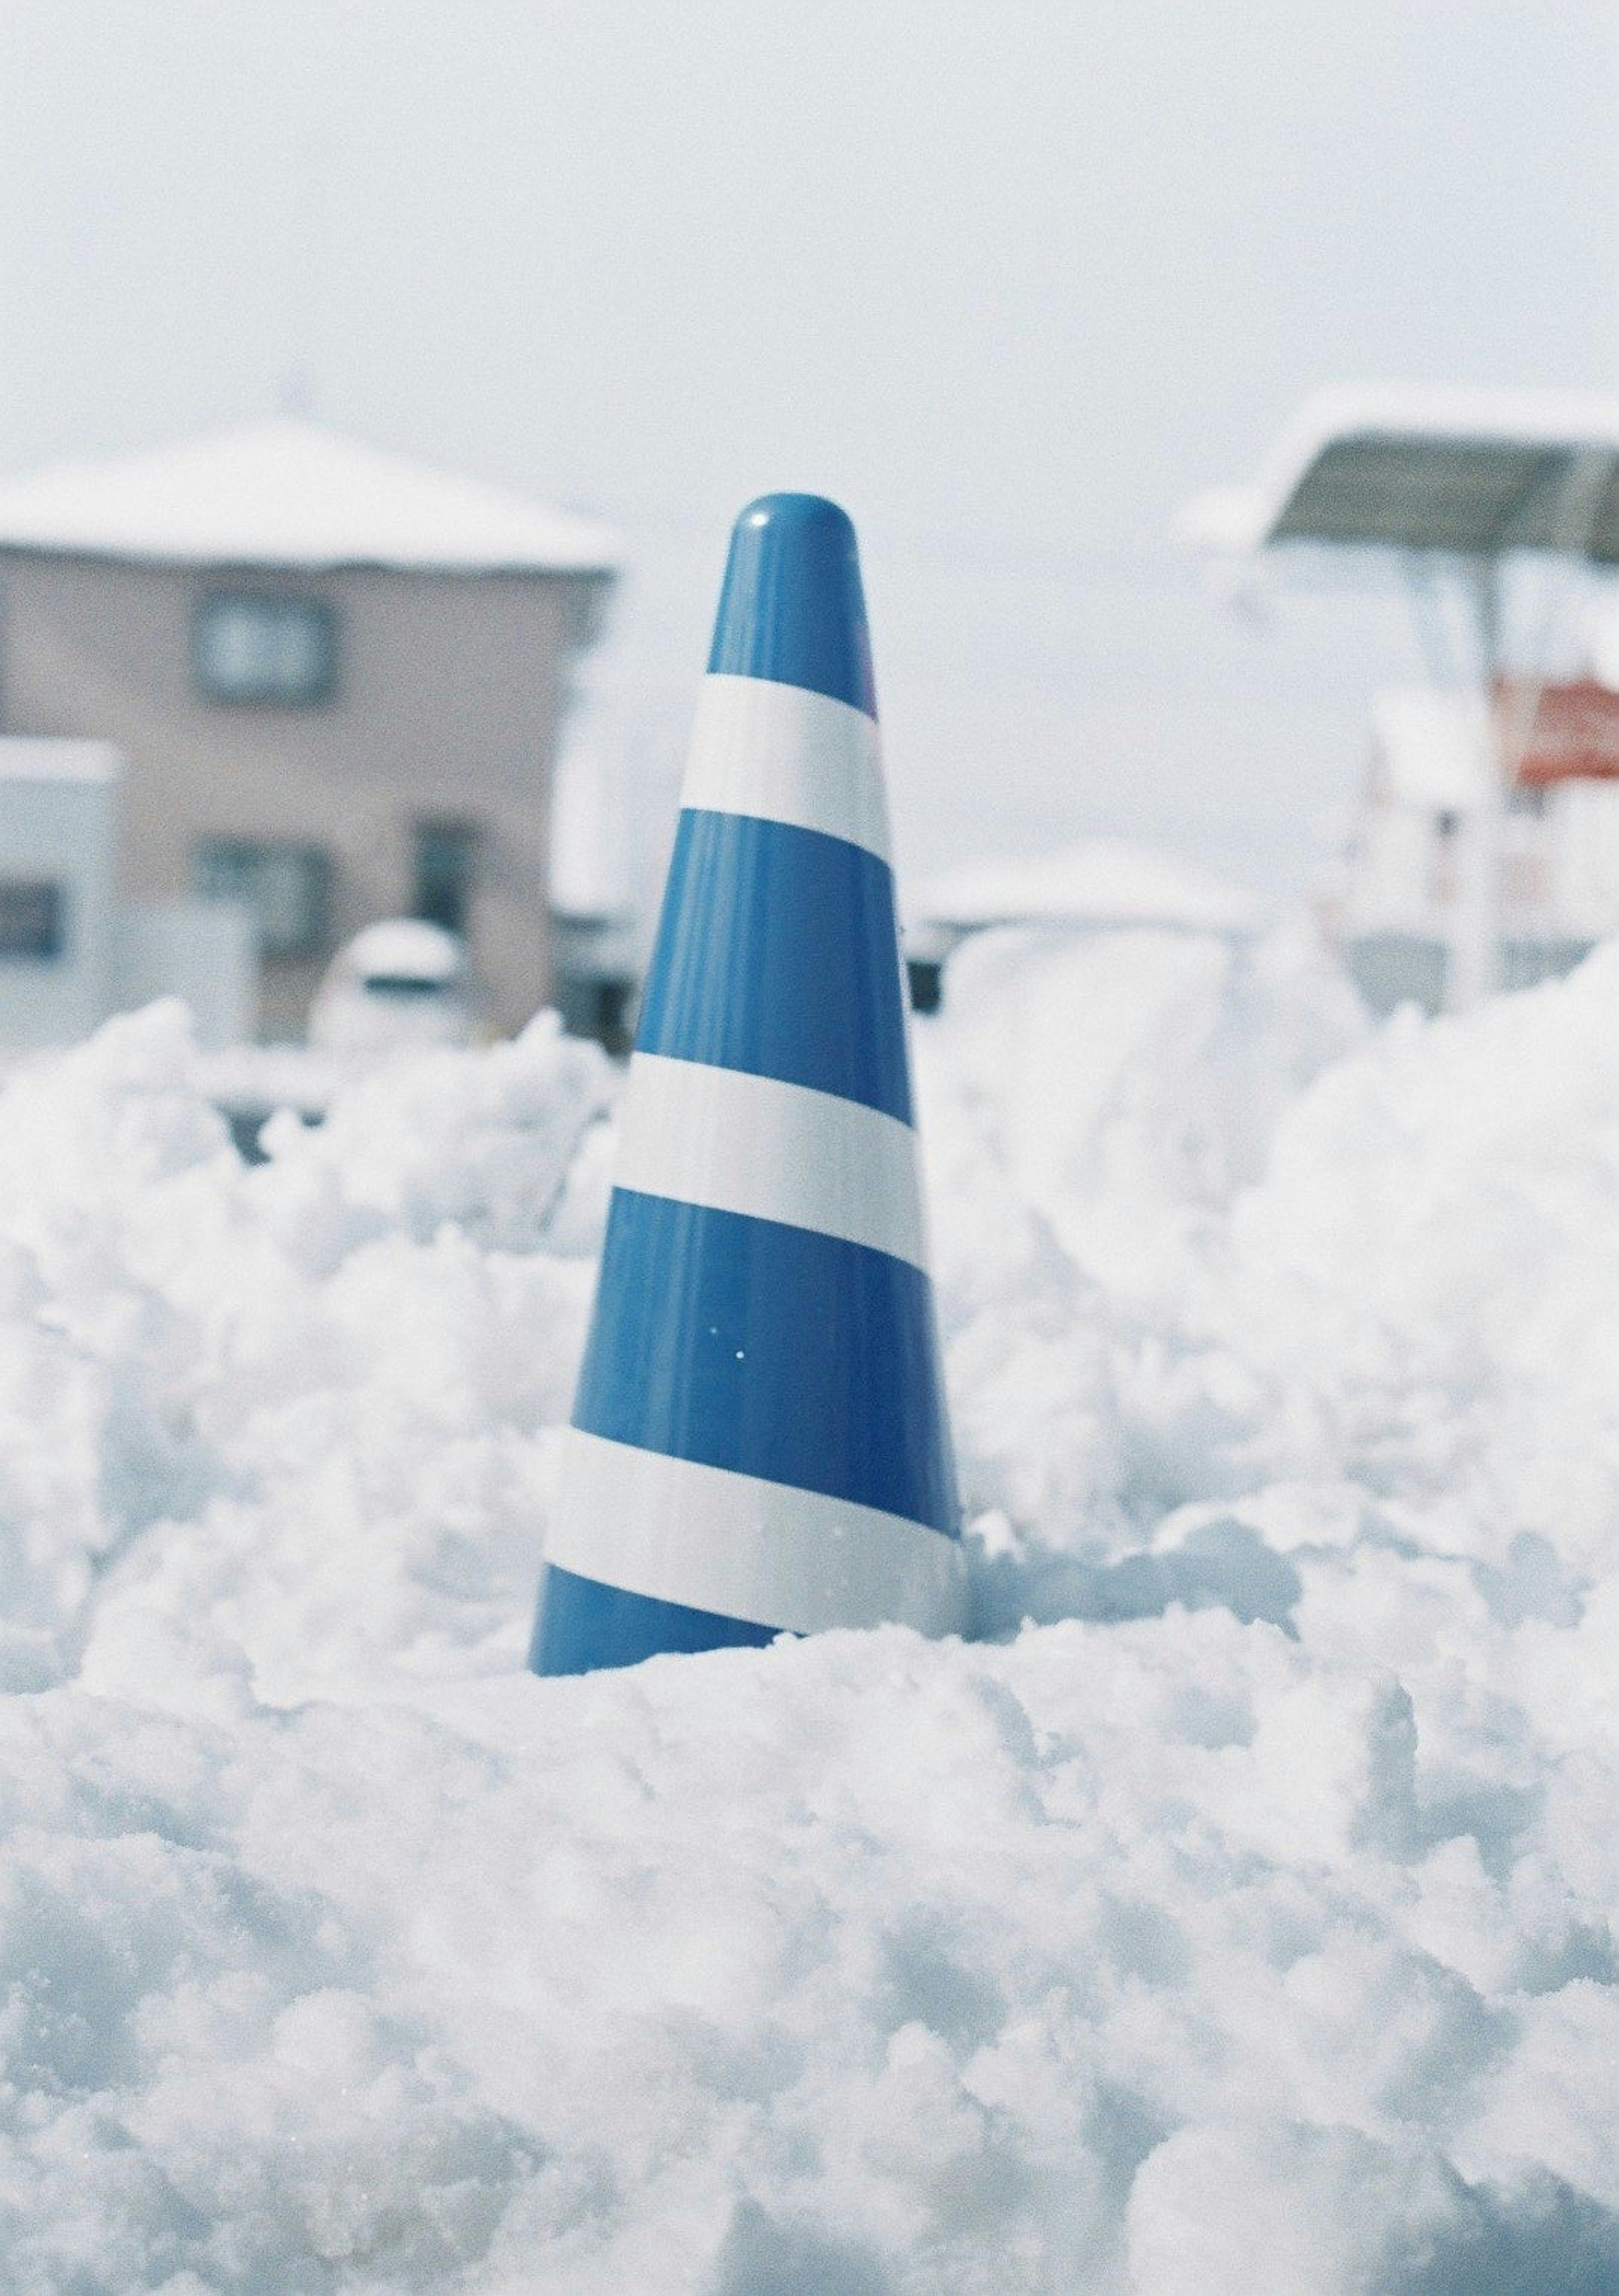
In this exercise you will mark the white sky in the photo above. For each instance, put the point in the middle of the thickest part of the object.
(1008, 280)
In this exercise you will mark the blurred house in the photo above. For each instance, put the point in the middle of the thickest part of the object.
(599, 908)
(339, 677)
(1391, 901)
(71, 952)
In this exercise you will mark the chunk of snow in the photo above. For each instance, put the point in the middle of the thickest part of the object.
(1237, 1913)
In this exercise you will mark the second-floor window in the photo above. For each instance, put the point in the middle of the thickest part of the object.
(258, 647)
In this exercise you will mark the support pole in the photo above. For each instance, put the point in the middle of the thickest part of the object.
(1585, 487)
(1475, 970)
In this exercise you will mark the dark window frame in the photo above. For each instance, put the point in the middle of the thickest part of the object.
(267, 693)
(218, 860)
(445, 851)
(47, 942)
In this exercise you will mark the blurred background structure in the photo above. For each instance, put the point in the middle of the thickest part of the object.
(1011, 284)
(1483, 854)
(338, 677)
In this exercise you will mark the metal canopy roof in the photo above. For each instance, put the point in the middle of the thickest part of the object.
(1468, 474)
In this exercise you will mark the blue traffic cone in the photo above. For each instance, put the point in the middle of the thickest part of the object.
(759, 1443)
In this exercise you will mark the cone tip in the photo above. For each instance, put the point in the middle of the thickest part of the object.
(792, 514)
(792, 609)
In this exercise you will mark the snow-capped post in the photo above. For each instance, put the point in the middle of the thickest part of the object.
(759, 1442)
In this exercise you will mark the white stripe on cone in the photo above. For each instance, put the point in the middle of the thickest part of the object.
(785, 754)
(746, 1548)
(771, 1151)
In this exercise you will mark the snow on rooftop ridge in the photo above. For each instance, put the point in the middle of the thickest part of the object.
(1238, 519)
(284, 492)
(1222, 520)
(1099, 881)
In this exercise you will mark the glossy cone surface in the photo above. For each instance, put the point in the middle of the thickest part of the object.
(759, 1442)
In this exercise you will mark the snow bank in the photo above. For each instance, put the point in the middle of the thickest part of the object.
(1236, 1913)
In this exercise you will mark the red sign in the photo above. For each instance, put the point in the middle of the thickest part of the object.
(1574, 733)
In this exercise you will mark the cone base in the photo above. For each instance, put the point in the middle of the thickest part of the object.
(584, 1626)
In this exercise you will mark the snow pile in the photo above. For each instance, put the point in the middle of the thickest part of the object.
(224, 1390)
(1236, 1913)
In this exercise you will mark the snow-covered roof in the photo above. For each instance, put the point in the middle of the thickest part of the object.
(1422, 467)
(1433, 745)
(291, 494)
(406, 949)
(1100, 883)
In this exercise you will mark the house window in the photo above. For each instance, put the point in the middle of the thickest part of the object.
(265, 649)
(444, 860)
(32, 917)
(286, 888)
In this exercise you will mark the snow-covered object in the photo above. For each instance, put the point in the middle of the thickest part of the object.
(396, 986)
(407, 948)
(1100, 882)
(1244, 1922)
(288, 492)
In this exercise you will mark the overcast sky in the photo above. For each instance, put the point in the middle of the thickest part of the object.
(1008, 280)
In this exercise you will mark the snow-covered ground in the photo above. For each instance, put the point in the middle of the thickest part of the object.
(1233, 1917)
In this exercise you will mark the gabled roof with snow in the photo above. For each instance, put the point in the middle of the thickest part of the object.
(291, 494)
(1472, 473)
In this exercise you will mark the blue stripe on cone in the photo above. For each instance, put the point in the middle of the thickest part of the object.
(811, 993)
(770, 1350)
(791, 608)
(583, 1625)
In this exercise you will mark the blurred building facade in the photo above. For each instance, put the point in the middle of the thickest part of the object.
(71, 953)
(340, 678)
(1391, 900)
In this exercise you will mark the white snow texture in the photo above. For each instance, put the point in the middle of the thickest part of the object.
(1233, 1916)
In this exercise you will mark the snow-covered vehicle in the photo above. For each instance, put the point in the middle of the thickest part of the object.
(396, 987)
(1101, 885)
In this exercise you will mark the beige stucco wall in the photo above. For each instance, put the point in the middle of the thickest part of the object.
(448, 701)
